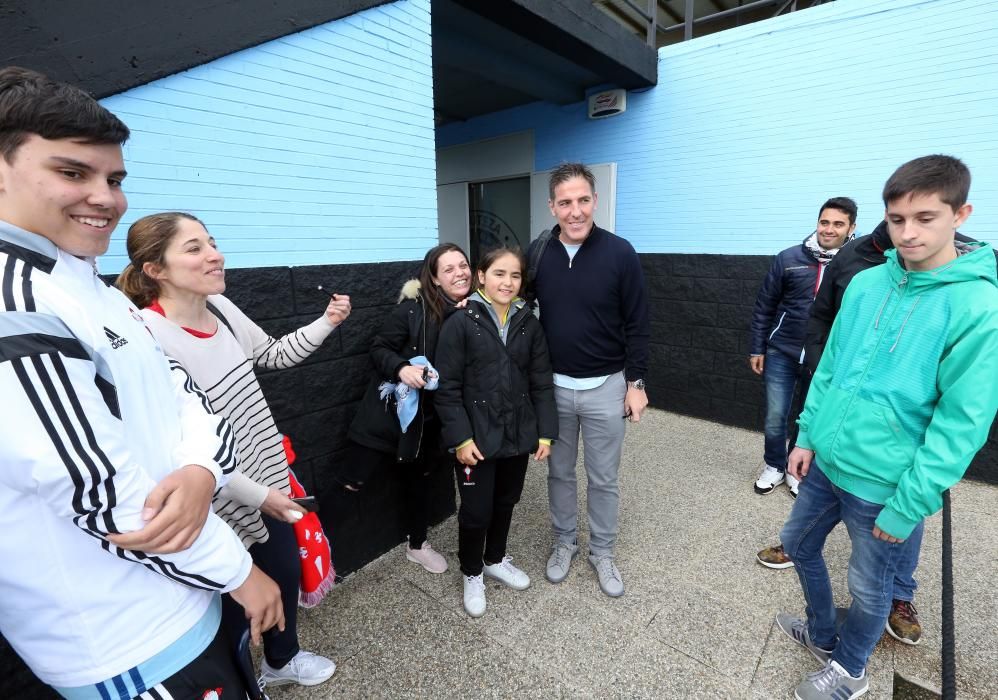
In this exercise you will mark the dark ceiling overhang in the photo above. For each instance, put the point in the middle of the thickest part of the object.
(490, 55)
(109, 46)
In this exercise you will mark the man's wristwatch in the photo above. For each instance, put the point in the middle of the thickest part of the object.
(638, 384)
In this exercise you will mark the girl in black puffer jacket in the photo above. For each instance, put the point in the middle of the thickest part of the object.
(496, 406)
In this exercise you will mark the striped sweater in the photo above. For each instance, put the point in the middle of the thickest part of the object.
(222, 365)
(93, 419)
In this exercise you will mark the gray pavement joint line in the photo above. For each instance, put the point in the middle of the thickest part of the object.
(696, 659)
(762, 653)
(560, 674)
(430, 594)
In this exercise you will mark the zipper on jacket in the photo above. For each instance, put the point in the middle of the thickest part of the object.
(509, 363)
(778, 324)
(422, 404)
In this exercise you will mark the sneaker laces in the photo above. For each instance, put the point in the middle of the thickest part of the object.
(261, 683)
(906, 609)
(828, 677)
(301, 661)
(801, 633)
(605, 568)
(476, 582)
(561, 554)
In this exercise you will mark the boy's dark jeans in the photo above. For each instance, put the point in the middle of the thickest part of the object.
(872, 567)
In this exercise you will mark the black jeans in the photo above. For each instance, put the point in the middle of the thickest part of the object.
(278, 558)
(489, 491)
(415, 476)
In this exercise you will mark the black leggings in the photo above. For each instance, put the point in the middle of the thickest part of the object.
(278, 558)
(489, 491)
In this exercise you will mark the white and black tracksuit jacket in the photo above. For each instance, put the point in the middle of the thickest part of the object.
(93, 418)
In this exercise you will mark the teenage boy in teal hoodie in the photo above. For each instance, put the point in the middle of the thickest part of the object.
(903, 398)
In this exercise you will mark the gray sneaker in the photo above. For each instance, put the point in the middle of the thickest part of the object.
(560, 561)
(609, 576)
(796, 628)
(832, 683)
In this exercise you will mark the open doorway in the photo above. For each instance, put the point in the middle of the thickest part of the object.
(498, 215)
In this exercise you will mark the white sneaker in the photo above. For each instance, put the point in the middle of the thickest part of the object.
(793, 484)
(768, 480)
(506, 573)
(305, 668)
(474, 595)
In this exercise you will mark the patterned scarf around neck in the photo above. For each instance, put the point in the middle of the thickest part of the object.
(820, 254)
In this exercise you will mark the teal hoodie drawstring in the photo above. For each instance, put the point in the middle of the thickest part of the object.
(876, 323)
(905, 322)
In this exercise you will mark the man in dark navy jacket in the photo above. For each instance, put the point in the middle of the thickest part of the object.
(779, 324)
(594, 312)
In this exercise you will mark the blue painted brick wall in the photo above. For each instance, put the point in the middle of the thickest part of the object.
(311, 149)
(749, 130)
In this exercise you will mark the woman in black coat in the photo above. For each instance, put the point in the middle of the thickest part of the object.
(376, 436)
(496, 407)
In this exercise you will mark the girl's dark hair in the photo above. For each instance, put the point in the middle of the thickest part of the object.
(31, 103)
(433, 298)
(148, 239)
(489, 258)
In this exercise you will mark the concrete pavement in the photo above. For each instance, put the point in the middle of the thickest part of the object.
(696, 620)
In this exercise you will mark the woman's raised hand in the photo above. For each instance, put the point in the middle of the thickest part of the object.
(338, 309)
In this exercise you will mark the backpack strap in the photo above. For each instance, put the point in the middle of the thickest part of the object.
(534, 254)
(218, 314)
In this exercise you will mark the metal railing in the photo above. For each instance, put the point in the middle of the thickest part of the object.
(649, 15)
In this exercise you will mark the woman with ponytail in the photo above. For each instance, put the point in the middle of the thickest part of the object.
(176, 276)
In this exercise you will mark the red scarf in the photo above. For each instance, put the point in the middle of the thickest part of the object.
(317, 573)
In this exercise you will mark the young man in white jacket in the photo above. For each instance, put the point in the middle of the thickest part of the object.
(110, 583)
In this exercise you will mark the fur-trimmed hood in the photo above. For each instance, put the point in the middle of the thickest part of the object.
(410, 290)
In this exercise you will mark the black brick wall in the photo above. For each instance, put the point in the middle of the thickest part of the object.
(701, 307)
